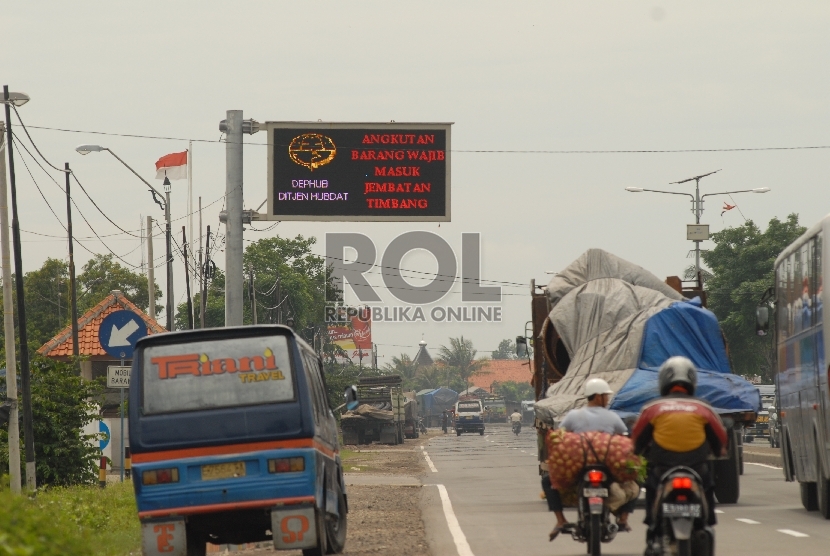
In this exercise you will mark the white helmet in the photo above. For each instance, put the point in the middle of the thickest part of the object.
(597, 386)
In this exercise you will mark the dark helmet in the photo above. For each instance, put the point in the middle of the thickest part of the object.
(677, 370)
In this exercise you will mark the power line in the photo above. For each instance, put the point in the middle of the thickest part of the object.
(482, 151)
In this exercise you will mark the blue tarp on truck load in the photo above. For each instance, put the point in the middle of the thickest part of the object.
(439, 400)
(688, 329)
(619, 322)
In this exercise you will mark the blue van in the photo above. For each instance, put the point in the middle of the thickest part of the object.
(233, 441)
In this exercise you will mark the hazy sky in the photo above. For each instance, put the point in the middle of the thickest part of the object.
(510, 75)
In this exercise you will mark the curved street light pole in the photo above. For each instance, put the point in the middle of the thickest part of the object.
(697, 206)
(162, 201)
(28, 429)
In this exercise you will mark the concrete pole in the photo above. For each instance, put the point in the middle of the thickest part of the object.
(697, 243)
(233, 225)
(190, 205)
(73, 292)
(171, 301)
(8, 324)
(151, 279)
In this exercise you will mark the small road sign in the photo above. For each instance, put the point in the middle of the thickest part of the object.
(119, 331)
(118, 377)
(105, 441)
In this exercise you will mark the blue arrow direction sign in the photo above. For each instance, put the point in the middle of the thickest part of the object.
(105, 440)
(119, 332)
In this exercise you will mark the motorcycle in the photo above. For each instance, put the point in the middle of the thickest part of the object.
(680, 514)
(517, 428)
(593, 525)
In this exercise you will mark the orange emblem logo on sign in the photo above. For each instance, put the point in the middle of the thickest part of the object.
(293, 534)
(164, 537)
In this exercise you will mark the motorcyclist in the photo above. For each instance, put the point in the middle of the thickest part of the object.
(515, 417)
(677, 429)
(593, 417)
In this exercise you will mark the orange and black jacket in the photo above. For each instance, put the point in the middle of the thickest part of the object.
(678, 429)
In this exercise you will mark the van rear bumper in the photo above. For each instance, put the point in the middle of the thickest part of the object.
(231, 506)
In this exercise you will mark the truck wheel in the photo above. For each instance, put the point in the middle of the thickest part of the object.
(809, 496)
(196, 543)
(458, 432)
(822, 490)
(481, 432)
(728, 473)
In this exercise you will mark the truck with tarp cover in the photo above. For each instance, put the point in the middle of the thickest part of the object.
(381, 415)
(604, 317)
(435, 402)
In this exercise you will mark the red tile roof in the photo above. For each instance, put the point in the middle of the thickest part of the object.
(88, 325)
(502, 370)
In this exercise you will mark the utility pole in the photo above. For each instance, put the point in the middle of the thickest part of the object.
(28, 429)
(201, 273)
(187, 281)
(253, 297)
(170, 307)
(73, 293)
(8, 325)
(206, 275)
(233, 225)
(151, 279)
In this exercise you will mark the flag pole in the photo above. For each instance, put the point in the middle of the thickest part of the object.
(190, 203)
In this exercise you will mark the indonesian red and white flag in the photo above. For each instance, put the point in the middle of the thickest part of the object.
(173, 166)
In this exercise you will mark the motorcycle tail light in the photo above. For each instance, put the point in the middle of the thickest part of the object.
(684, 483)
(595, 477)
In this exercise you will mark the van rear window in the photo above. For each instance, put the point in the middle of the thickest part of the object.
(468, 407)
(220, 373)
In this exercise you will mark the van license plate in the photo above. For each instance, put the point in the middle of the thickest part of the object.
(223, 470)
(591, 492)
(681, 510)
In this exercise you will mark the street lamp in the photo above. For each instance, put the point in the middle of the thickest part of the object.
(697, 205)
(16, 99)
(165, 206)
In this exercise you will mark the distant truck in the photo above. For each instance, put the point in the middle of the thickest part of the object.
(469, 416)
(381, 415)
(495, 410)
(605, 317)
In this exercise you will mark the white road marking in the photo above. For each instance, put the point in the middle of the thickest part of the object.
(524, 452)
(793, 533)
(718, 511)
(748, 521)
(452, 522)
(762, 465)
(429, 462)
(488, 436)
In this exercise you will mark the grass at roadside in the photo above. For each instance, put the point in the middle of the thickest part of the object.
(354, 461)
(74, 520)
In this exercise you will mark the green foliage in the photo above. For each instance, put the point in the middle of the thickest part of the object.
(48, 301)
(742, 269)
(514, 391)
(403, 366)
(290, 281)
(506, 350)
(63, 404)
(460, 357)
(78, 520)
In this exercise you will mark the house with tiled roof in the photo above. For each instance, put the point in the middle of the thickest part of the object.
(96, 359)
(502, 370)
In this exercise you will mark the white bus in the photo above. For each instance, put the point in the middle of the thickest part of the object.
(800, 333)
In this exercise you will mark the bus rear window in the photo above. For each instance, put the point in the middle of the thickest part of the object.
(220, 373)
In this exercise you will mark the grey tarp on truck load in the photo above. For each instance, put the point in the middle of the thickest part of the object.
(600, 307)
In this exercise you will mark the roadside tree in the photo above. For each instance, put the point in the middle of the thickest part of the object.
(742, 269)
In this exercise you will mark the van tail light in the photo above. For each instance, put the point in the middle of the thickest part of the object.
(681, 483)
(160, 476)
(286, 465)
(595, 477)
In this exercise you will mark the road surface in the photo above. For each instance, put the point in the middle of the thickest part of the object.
(488, 504)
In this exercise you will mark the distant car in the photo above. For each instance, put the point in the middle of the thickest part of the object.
(469, 417)
(761, 427)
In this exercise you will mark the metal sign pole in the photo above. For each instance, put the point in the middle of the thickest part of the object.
(121, 409)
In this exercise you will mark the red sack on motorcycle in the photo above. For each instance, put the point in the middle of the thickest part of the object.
(569, 453)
